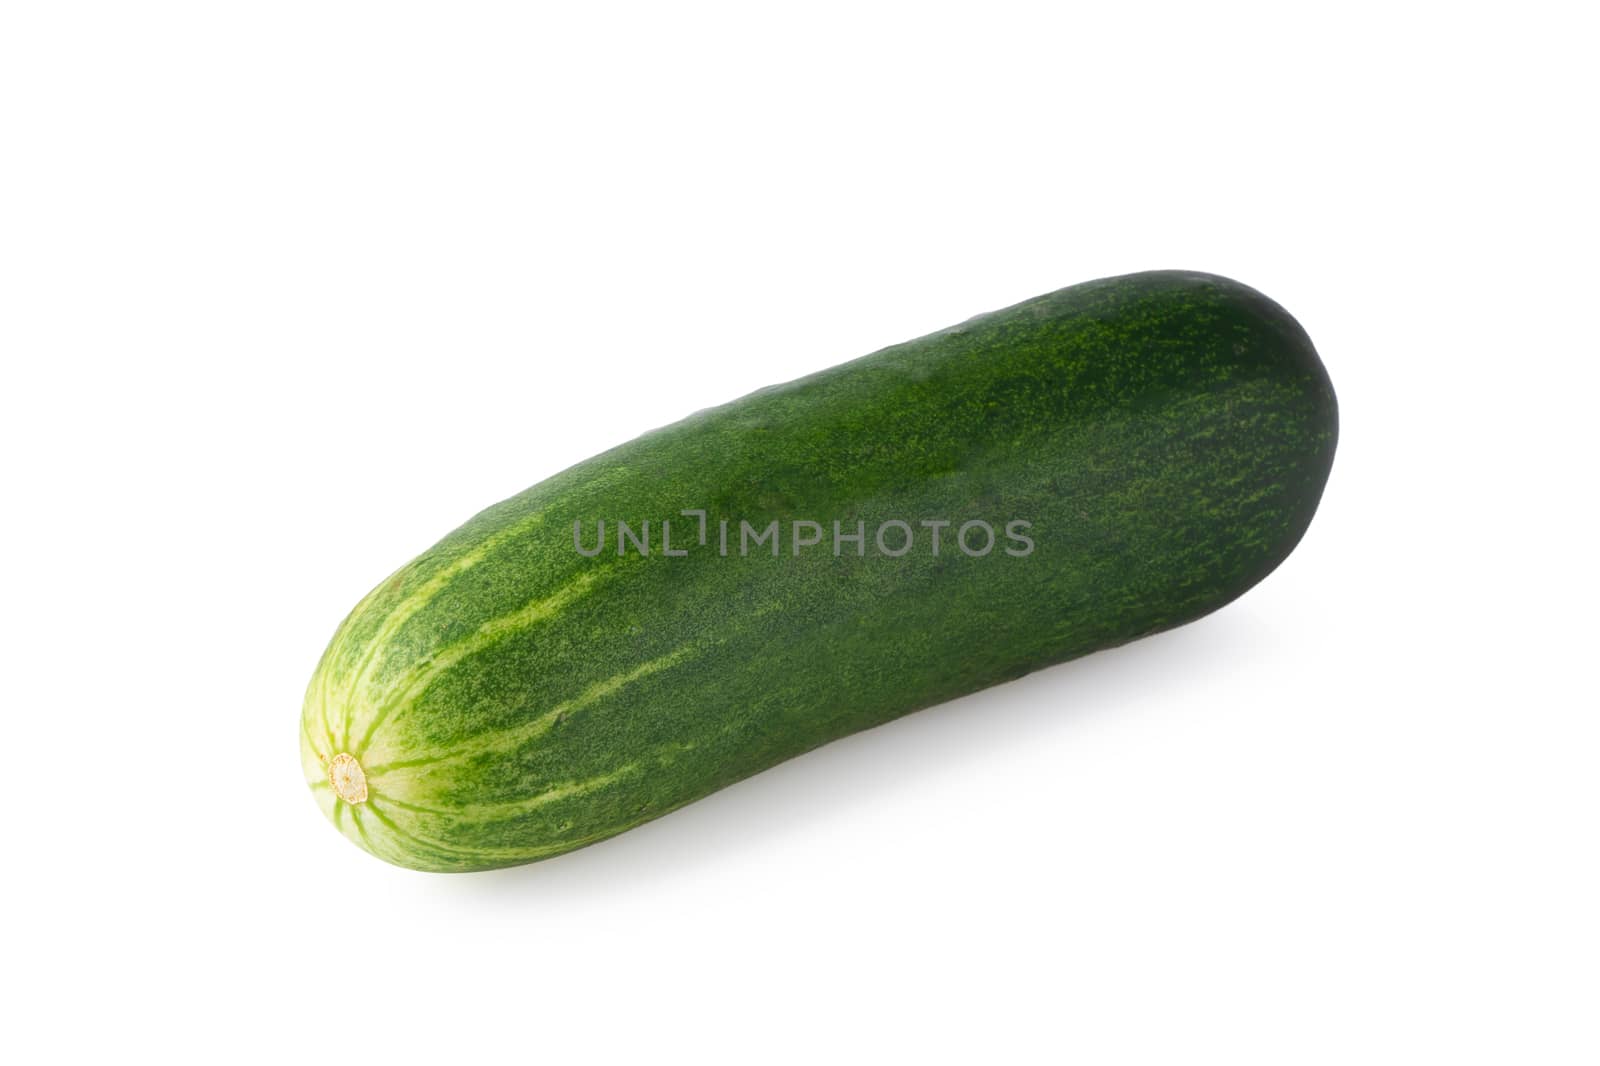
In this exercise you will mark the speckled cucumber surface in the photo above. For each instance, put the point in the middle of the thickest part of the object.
(692, 607)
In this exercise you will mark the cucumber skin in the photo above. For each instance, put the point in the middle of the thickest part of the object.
(1167, 434)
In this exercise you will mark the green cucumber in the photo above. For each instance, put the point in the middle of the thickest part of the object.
(1111, 460)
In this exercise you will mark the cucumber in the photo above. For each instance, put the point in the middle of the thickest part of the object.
(685, 610)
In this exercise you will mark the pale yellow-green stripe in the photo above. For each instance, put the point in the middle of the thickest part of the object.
(489, 812)
(407, 609)
(421, 676)
(511, 738)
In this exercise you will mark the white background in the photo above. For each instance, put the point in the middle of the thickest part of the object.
(288, 290)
